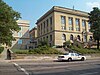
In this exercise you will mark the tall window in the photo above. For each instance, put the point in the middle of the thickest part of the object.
(47, 22)
(47, 38)
(77, 24)
(51, 20)
(64, 37)
(83, 23)
(41, 28)
(19, 34)
(50, 37)
(63, 20)
(44, 26)
(50, 23)
(19, 41)
(71, 37)
(70, 21)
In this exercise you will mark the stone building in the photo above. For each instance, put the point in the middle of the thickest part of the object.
(60, 24)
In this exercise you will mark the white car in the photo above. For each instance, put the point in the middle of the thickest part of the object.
(71, 56)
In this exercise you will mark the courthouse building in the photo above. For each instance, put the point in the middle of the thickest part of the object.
(61, 24)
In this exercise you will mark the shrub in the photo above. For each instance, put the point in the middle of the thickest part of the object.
(44, 50)
(1, 49)
(84, 51)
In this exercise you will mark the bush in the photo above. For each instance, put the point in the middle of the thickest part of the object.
(1, 49)
(84, 51)
(20, 51)
(44, 50)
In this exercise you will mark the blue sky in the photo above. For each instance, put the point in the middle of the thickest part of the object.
(33, 9)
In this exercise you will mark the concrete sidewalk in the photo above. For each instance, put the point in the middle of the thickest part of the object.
(48, 59)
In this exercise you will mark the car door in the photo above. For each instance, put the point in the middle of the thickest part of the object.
(77, 56)
(73, 56)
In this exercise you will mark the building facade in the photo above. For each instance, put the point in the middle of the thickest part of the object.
(22, 37)
(61, 24)
(33, 37)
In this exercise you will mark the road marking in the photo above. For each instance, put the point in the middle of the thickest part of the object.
(89, 73)
(20, 69)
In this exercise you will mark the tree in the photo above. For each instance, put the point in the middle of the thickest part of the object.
(43, 43)
(8, 24)
(94, 20)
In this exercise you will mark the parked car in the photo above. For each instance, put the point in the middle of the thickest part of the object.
(71, 56)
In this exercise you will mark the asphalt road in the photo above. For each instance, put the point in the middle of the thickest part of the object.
(88, 67)
(9, 69)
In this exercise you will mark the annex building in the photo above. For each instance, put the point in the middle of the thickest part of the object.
(22, 37)
(60, 24)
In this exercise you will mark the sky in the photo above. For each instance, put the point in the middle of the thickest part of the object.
(32, 10)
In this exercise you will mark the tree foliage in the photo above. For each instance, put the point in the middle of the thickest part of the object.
(8, 24)
(94, 20)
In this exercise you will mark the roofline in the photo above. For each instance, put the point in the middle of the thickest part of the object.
(35, 28)
(63, 10)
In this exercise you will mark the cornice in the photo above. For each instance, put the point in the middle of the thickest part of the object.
(63, 10)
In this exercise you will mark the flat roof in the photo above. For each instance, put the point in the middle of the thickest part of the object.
(63, 10)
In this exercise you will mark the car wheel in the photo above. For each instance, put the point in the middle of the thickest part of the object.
(82, 59)
(69, 59)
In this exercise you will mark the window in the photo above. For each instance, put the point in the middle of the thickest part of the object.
(83, 23)
(50, 37)
(77, 22)
(41, 26)
(70, 20)
(85, 38)
(91, 38)
(70, 28)
(19, 41)
(47, 37)
(47, 22)
(63, 28)
(19, 34)
(77, 29)
(44, 24)
(51, 20)
(72, 54)
(63, 20)
(71, 37)
(78, 38)
(64, 37)
(76, 54)
(89, 24)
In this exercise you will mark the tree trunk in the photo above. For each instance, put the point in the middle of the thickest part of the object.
(97, 43)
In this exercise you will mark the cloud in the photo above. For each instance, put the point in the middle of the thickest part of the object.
(93, 4)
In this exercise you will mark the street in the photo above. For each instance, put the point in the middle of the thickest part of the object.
(88, 67)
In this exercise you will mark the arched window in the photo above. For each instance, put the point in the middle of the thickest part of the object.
(71, 37)
(78, 37)
(91, 38)
(64, 37)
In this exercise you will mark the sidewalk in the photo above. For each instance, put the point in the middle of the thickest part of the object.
(46, 59)
(3, 54)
